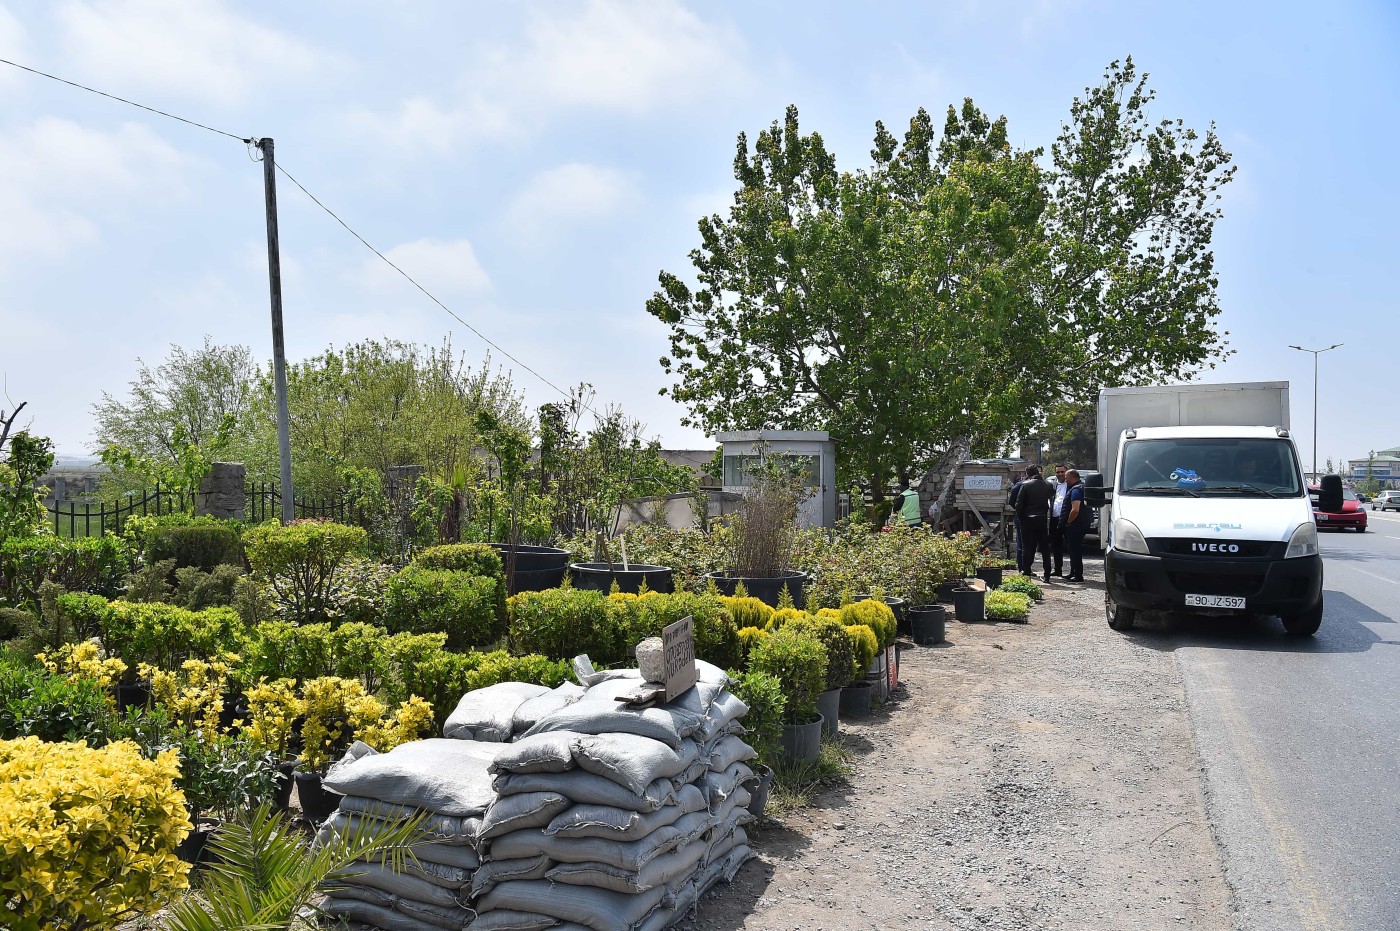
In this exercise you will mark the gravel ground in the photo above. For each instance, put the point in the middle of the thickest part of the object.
(1026, 777)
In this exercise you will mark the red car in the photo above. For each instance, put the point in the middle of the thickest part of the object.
(1350, 516)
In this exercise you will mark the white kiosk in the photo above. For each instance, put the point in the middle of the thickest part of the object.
(813, 450)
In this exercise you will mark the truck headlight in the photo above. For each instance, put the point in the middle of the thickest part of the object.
(1303, 542)
(1127, 537)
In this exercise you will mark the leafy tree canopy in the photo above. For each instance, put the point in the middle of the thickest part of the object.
(943, 298)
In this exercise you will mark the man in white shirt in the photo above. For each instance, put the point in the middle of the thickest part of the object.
(1057, 524)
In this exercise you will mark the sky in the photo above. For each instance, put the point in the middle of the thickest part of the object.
(536, 164)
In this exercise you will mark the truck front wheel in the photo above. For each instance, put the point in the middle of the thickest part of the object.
(1304, 624)
(1119, 617)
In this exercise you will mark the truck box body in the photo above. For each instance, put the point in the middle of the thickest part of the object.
(1256, 403)
(1210, 511)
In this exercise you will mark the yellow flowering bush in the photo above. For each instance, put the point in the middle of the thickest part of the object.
(410, 721)
(336, 710)
(83, 661)
(195, 693)
(88, 836)
(273, 706)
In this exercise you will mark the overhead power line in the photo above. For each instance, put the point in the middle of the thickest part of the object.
(130, 103)
(251, 141)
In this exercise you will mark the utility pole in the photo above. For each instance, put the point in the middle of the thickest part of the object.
(279, 353)
(1315, 354)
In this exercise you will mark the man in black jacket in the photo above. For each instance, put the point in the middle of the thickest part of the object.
(1033, 508)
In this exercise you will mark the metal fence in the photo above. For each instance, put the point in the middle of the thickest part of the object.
(92, 519)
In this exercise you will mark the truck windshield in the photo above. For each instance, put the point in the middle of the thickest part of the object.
(1223, 466)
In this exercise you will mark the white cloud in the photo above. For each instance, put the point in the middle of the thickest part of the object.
(566, 196)
(441, 266)
(196, 48)
(14, 44)
(58, 179)
(625, 56)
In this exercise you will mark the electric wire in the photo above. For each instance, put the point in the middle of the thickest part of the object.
(251, 141)
(132, 103)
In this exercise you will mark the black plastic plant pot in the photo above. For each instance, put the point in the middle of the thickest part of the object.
(945, 591)
(899, 606)
(282, 793)
(600, 576)
(930, 623)
(855, 699)
(801, 743)
(767, 590)
(537, 568)
(533, 558)
(970, 604)
(134, 695)
(317, 802)
(990, 574)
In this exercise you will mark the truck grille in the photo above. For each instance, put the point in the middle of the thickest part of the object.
(1248, 549)
(1210, 583)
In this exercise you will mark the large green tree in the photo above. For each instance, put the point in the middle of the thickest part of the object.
(942, 299)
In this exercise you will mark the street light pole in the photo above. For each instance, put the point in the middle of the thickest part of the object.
(1316, 353)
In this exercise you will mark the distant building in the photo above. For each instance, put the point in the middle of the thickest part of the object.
(1384, 467)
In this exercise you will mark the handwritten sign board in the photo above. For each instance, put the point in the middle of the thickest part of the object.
(982, 482)
(678, 645)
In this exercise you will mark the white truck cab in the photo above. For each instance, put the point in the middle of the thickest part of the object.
(1211, 520)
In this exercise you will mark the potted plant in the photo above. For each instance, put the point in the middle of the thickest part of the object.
(334, 708)
(798, 662)
(879, 617)
(767, 705)
(841, 666)
(222, 778)
(763, 537)
(969, 600)
(527, 568)
(272, 709)
(990, 568)
(929, 623)
(855, 695)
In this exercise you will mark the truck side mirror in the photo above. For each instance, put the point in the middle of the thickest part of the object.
(1095, 494)
(1330, 500)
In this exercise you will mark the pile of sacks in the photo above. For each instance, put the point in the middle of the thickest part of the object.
(596, 814)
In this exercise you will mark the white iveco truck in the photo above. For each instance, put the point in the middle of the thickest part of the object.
(1209, 510)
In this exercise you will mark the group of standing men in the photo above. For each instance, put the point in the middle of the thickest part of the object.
(1052, 518)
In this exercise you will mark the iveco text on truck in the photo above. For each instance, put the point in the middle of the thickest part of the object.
(1209, 511)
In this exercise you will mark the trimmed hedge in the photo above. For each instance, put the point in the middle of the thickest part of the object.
(303, 562)
(798, 662)
(472, 558)
(459, 605)
(86, 564)
(564, 622)
(203, 542)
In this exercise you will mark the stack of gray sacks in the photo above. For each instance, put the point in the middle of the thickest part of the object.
(555, 808)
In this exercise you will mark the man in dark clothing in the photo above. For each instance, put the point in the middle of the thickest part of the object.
(1077, 518)
(1011, 500)
(1033, 508)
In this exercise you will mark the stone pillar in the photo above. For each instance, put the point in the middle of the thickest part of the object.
(222, 494)
(403, 480)
(60, 489)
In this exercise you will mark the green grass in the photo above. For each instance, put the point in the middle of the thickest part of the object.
(795, 784)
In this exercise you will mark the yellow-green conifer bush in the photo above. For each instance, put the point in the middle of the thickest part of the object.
(87, 837)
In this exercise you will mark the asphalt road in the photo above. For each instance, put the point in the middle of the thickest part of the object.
(1300, 741)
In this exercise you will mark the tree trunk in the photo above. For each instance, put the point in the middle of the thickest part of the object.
(960, 449)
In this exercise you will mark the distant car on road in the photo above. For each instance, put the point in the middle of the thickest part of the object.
(1386, 500)
(1352, 515)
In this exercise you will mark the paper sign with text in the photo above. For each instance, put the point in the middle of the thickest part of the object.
(678, 647)
(982, 482)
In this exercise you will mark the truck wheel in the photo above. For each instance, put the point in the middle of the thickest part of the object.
(1305, 624)
(1119, 617)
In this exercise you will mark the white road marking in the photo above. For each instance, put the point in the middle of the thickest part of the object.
(1371, 574)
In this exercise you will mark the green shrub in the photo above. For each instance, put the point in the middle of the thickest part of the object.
(1022, 585)
(151, 582)
(866, 643)
(14, 622)
(460, 605)
(52, 707)
(767, 703)
(798, 662)
(840, 647)
(164, 635)
(716, 634)
(442, 678)
(196, 589)
(749, 637)
(280, 649)
(97, 565)
(748, 612)
(201, 542)
(903, 562)
(564, 622)
(472, 558)
(1008, 606)
(303, 563)
(873, 614)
